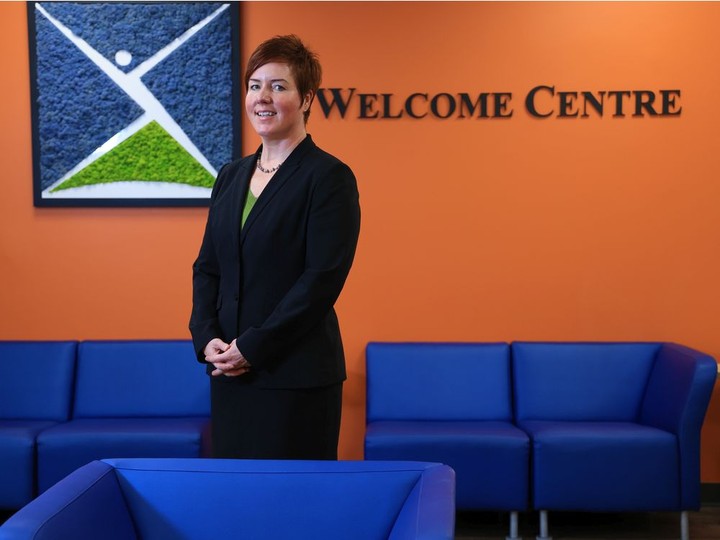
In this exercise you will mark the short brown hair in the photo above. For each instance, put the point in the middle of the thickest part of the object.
(290, 50)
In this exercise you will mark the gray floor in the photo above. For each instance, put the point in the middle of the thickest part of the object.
(704, 525)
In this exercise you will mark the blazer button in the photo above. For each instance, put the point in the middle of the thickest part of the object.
(237, 297)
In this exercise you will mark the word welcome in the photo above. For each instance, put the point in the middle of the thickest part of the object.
(540, 102)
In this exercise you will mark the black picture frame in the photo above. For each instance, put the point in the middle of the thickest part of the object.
(147, 126)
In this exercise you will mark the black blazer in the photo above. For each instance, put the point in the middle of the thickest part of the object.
(273, 284)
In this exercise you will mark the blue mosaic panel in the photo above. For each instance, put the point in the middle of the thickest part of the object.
(140, 29)
(79, 107)
(179, 80)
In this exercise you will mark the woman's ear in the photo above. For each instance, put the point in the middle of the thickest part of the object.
(307, 101)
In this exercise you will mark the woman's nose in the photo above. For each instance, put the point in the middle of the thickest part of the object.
(264, 95)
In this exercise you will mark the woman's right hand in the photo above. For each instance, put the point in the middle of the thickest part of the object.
(216, 346)
(226, 358)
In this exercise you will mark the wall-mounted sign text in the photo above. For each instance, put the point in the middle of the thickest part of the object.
(540, 102)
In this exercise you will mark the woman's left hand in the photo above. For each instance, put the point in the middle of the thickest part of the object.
(230, 363)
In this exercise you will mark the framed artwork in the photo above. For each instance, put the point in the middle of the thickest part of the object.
(133, 104)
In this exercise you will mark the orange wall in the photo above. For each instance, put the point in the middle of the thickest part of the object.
(487, 230)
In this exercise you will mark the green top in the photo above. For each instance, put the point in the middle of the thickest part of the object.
(249, 203)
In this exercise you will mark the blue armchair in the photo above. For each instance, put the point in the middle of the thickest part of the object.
(197, 499)
(614, 426)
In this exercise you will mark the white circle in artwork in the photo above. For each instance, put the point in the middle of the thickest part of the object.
(123, 58)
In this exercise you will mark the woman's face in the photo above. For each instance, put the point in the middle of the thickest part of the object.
(273, 104)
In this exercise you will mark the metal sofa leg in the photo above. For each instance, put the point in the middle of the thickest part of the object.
(513, 527)
(684, 526)
(543, 526)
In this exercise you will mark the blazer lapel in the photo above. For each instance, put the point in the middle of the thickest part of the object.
(240, 185)
(286, 171)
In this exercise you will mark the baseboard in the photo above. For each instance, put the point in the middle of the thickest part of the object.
(710, 493)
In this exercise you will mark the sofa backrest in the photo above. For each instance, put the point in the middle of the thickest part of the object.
(140, 379)
(36, 379)
(438, 381)
(581, 381)
(285, 499)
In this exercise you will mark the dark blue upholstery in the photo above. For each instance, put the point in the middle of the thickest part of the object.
(211, 499)
(17, 460)
(35, 393)
(603, 426)
(676, 400)
(614, 426)
(605, 466)
(132, 399)
(450, 403)
(65, 447)
(125, 379)
(62, 512)
(581, 381)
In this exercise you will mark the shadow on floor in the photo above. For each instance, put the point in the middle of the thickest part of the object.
(704, 525)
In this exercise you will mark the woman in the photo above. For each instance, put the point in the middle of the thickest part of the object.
(279, 242)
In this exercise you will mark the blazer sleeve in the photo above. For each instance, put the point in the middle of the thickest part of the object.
(332, 234)
(204, 324)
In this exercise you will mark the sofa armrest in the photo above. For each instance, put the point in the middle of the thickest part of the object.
(429, 510)
(676, 400)
(679, 389)
(86, 504)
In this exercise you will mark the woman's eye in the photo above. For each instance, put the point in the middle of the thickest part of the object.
(278, 87)
(254, 86)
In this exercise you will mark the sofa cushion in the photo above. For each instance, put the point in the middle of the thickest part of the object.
(140, 379)
(67, 446)
(490, 459)
(36, 379)
(17, 460)
(581, 381)
(603, 466)
(438, 381)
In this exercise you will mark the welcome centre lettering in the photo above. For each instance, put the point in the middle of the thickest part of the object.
(540, 102)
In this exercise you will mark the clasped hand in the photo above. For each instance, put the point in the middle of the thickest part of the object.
(225, 358)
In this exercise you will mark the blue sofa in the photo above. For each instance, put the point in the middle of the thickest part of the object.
(64, 404)
(35, 394)
(198, 499)
(609, 426)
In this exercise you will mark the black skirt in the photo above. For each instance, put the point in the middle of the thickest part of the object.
(269, 423)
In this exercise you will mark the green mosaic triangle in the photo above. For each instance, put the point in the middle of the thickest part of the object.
(150, 155)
